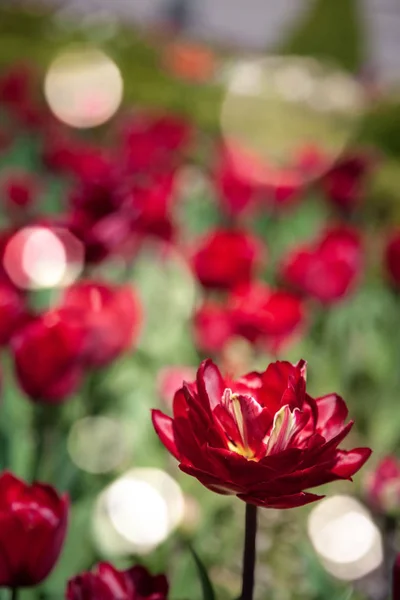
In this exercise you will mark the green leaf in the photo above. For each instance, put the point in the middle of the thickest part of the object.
(206, 585)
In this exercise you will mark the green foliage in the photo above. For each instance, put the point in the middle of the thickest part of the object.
(330, 30)
(206, 585)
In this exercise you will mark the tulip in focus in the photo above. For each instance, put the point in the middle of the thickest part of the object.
(226, 258)
(329, 269)
(110, 315)
(33, 527)
(383, 486)
(261, 437)
(48, 356)
(105, 582)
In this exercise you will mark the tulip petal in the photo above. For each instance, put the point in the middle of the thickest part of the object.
(286, 426)
(210, 383)
(349, 462)
(210, 481)
(164, 429)
(332, 413)
(284, 383)
(290, 501)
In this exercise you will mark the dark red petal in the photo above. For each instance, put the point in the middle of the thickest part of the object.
(189, 445)
(291, 501)
(349, 462)
(164, 429)
(179, 406)
(283, 383)
(210, 383)
(332, 413)
(210, 481)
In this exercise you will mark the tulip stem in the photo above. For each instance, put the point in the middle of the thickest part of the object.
(14, 594)
(249, 553)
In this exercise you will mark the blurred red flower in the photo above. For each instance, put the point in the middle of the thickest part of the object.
(105, 582)
(236, 192)
(262, 437)
(171, 378)
(226, 258)
(392, 257)
(261, 314)
(13, 312)
(396, 579)
(212, 327)
(328, 269)
(383, 485)
(88, 163)
(253, 311)
(33, 527)
(345, 183)
(153, 142)
(58, 341)
(16, 84)
(110, 315)
(19, 192)
(151, 205)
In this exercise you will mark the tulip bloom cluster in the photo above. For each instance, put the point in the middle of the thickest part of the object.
(94, 324)
(260, 437)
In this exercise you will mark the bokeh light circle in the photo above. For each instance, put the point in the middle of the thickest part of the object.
(38, 257)
(284, 111)
(99, 444)
(345, 537)
(83, 87)
(137, 512)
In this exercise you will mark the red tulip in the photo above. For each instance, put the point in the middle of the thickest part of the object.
(111, 316)
(105, 582)
(151, 207)
(344, 184)
(236, 192)
(396, 579)
(171, 378)
(329, 269)
(383, 485)
(226, 258)
(262, 437)
(13, 312)
(153, 142)
(259, 313)
(392, 257)
(16, 84)
(252, 311)
(90, 164)
(33, 527)
(212, 327)
(58, 340)
(19, 190)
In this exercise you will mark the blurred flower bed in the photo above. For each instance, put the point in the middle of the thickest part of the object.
(131, 252)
